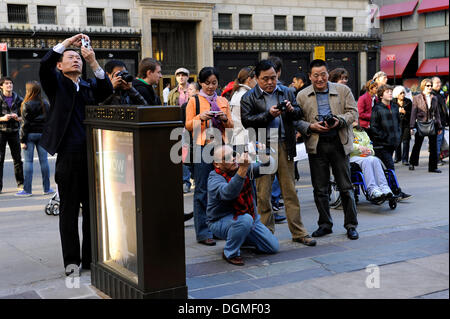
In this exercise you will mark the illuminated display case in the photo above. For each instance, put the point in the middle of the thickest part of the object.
(136, 197)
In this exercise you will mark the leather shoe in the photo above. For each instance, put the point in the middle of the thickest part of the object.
(208, 242)
(352, 233)
(321, 232)
(188, 216)
(435, 171)
(411, 167)
(278, 218)
(237, 260)
(307, 240)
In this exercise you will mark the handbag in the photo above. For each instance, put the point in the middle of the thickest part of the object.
(426, 128)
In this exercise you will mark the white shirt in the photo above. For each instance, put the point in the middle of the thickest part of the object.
(99, 73)
(166, 92)
(428, 98)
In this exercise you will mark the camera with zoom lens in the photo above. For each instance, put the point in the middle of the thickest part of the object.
(127, 77)
(329, 119)
(282, 106)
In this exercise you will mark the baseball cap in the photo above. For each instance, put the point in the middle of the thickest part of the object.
(182, 70)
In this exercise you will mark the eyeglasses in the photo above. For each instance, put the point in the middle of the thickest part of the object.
(322, 75)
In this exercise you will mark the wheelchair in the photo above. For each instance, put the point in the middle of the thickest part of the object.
(359, 186)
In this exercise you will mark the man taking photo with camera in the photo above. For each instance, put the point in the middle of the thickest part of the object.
(124, 93)
(272, 107)
(329, 109)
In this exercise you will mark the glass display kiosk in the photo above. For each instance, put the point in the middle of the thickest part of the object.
(136, 198)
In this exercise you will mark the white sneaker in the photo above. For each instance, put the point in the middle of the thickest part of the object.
(376, 194)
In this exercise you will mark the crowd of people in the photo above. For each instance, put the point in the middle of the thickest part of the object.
(236, 198)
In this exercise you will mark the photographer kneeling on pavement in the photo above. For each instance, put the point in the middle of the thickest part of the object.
(231, 211)
(124, 93)
(329, 111)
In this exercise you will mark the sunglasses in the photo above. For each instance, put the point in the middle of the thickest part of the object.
(428, 85)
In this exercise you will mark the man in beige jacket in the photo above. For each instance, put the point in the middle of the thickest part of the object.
(329, 110)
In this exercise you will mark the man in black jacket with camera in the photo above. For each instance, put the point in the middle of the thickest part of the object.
(64, 133)
(124, 92)
(272, 107)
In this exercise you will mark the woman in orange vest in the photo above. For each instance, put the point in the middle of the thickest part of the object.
(207, 125)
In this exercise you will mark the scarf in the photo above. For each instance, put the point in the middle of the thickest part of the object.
(244, 203)
(212, 99)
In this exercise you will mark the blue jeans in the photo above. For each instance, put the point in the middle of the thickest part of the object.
(186, 175)
(440, 137)
(244, 230)
(276, 191)
(33, 140)
(201, 174)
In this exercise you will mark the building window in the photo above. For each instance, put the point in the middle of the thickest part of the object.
(410, 22)
(95, 16)
(347, 24)
(46, 15)
(17, 13)
(245, 22)
(436, 19)
(330, 23)
(225, 21)
(435, 50)
(392, 25)
(280, 23)
(121, 18)
(299, 23)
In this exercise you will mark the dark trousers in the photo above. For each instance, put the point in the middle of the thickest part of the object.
(385, 154)
(432, 158)
(71, 175)
(403, 155)
(331, 153)
(12, 138)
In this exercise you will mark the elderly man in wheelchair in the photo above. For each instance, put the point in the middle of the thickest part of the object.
(368, 173)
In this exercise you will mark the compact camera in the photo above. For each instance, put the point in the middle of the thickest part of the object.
(282, 106)
(127, 77)
(85, 43)
(329, 119)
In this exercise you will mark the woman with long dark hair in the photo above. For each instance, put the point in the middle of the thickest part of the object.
(34, 112)
(214, 116)
(424, 109)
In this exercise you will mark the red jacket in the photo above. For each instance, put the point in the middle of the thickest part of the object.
(364, 110)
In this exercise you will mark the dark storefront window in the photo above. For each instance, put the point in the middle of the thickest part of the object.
(121, 18)
(347, 24)
(46, 15)
(17, 13)
(280, 23)
(175, 45)
(299, 23)
(95, 16)
(225, 21)
(437, 49)
(245, 22)
(330, 24)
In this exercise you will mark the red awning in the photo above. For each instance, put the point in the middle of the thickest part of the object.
(432, 67)
(402, 52)
(432, 5)
(398, 9)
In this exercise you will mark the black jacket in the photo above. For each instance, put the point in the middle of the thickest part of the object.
(61, 92)
(33, 118)
(443, 112)
(254, 114)
(405, 118)
(385, 125)
(12, 125)
(147, 92)
(125, 97)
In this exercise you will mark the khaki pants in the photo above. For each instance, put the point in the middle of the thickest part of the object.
(285, 174)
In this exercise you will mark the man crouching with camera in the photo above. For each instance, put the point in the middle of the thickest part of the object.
(272, 107)
(329, 111)
(124, 93)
